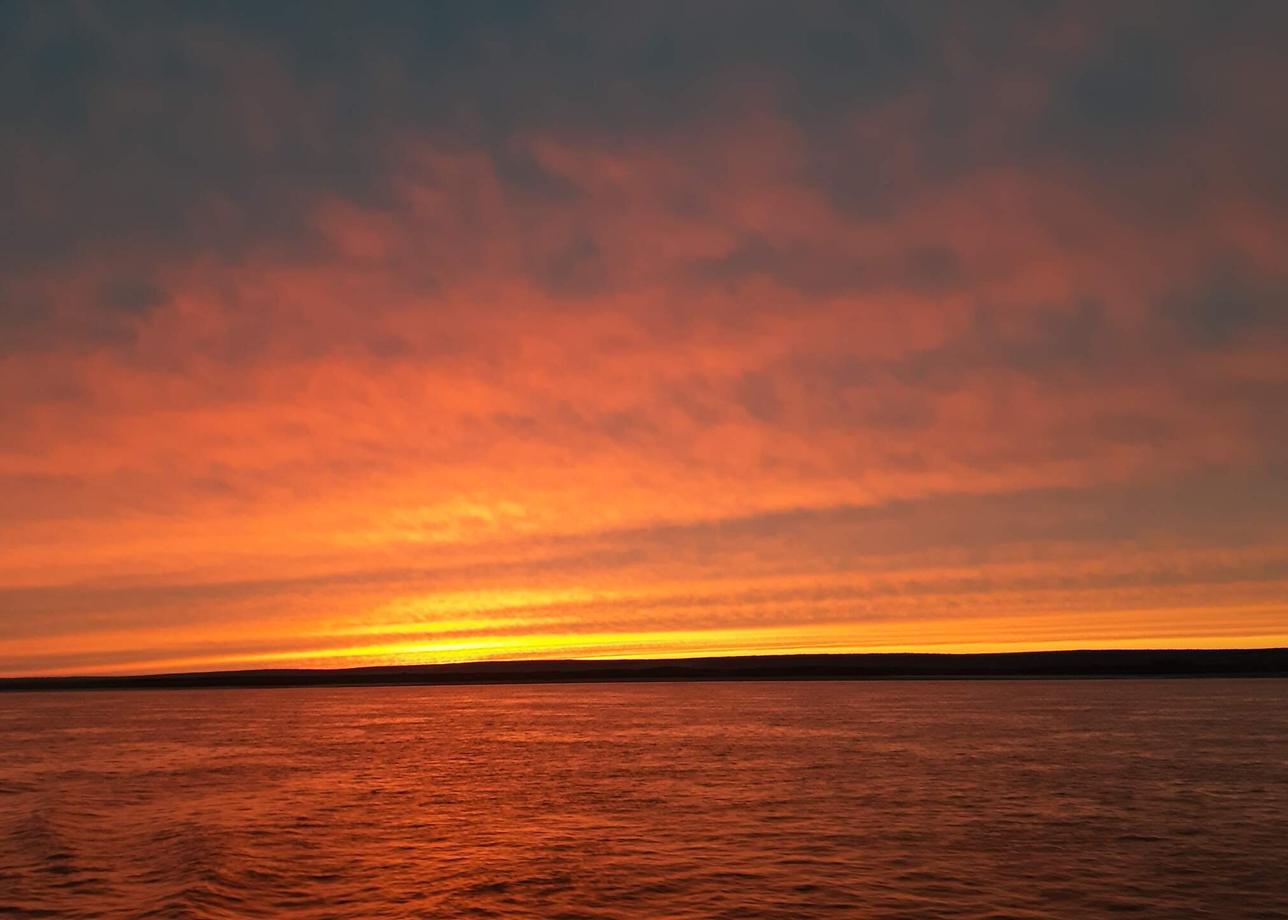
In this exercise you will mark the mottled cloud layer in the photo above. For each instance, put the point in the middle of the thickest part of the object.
(402, 331)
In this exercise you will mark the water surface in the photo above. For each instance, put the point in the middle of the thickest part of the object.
(916, 799)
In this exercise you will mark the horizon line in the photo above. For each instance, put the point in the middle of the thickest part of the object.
(1087, 662)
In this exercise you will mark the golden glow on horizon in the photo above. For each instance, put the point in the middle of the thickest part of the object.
(1118, 629)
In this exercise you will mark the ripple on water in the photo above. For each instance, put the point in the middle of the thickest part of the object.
(918, 800)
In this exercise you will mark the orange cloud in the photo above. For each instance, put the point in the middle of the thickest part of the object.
(972, 339)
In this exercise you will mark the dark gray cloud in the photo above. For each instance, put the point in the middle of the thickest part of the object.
(1131, 91)
(823, 268)
(1230, 305)
(213, 127)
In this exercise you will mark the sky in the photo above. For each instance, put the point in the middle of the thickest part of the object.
(393, 332)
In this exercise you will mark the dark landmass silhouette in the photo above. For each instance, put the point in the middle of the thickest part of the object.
(1270, 662)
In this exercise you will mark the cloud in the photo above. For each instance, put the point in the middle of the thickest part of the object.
(309, 309)
(1228, 307)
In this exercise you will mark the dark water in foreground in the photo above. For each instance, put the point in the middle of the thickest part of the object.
(903, 799)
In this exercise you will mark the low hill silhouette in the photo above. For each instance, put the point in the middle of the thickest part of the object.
(1271, 662)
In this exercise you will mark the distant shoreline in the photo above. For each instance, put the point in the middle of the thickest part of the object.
(1113, 663)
